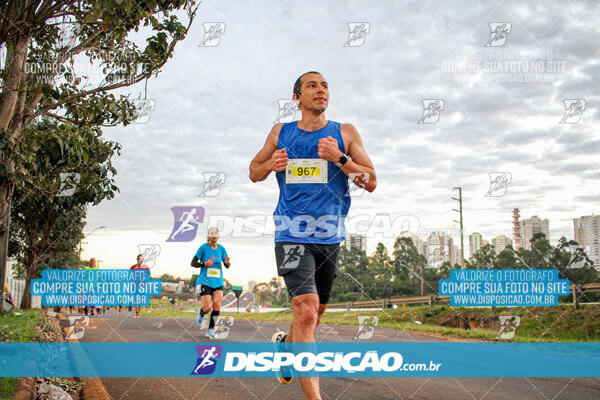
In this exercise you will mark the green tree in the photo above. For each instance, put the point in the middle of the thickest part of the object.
(506, 259)
(169, 278)
(409, 268)
(542, 251)
(382, 269)
(352, 268)
(46, 224)
(485, 257)
(46, 41)
(262, 292)
(569, 264)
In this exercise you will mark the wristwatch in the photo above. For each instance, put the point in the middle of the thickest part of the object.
(342, 161)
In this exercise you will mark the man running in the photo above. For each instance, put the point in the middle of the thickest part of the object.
(139, 265)
(210, 279)
(312, 159)
(90, 309)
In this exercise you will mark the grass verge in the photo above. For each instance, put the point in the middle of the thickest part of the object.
(17, 328)
(537, 324)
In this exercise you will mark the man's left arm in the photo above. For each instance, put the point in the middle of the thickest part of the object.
(359, 164)
(226, 260)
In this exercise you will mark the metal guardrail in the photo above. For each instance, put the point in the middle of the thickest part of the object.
(576, 289)
(384, 303)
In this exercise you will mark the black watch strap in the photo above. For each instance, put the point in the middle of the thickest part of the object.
(342, 161)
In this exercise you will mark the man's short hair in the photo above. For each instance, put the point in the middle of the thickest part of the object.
(298, 83)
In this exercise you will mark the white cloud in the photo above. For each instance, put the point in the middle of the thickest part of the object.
(215, 106)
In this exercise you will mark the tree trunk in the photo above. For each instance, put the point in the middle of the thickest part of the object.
(11, 113)
(7, 189)
(30, 264)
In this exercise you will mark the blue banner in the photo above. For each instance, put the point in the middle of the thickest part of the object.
(96, 287)
(226, 359)
(504, 287)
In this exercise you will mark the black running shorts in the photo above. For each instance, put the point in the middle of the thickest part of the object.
(307, 267)
(208, 291)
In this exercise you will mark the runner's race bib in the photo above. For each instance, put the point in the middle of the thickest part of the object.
(213, 272)
(306, 170)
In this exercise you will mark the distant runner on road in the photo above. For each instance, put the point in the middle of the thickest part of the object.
(139, 265)
(209, 258)
(90, 309)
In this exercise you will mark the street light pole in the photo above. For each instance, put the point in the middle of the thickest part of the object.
(362, 287)
(460, 211)
(89, 233)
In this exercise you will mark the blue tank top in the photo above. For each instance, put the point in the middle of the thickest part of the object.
(311, 212)
(211, 276)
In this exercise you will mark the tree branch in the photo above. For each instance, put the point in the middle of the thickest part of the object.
(138, 78)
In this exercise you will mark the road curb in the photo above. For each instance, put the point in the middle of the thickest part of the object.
(93, 388)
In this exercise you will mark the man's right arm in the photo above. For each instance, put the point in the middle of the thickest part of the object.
(196, 263)
(268, 158)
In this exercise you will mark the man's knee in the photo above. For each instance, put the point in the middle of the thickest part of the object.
(307, 312)
(307, 317)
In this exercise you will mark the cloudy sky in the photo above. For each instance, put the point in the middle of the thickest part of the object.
(502, 107)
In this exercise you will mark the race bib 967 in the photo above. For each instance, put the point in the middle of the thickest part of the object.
(306, 170)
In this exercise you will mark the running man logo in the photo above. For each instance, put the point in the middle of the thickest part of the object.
(213, 181)
(68, 183)
(579, 258)
(432, 108)
(287, 111)
(291, 256)
(508, 327)
(150, 253)
(186, 221)
(366, 327)
(68, 33)
(574, 108)
(144, 108)
(222, 327)
(499, 182)
(212, 34)
(207, 359)
(358, 33)
(436, 255)
(358, 181)
(499, 34)
(77, 325)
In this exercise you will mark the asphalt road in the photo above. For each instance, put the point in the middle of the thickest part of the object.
(124, 328)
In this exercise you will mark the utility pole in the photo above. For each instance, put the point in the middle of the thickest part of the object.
(460, 211)
(422, 279)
